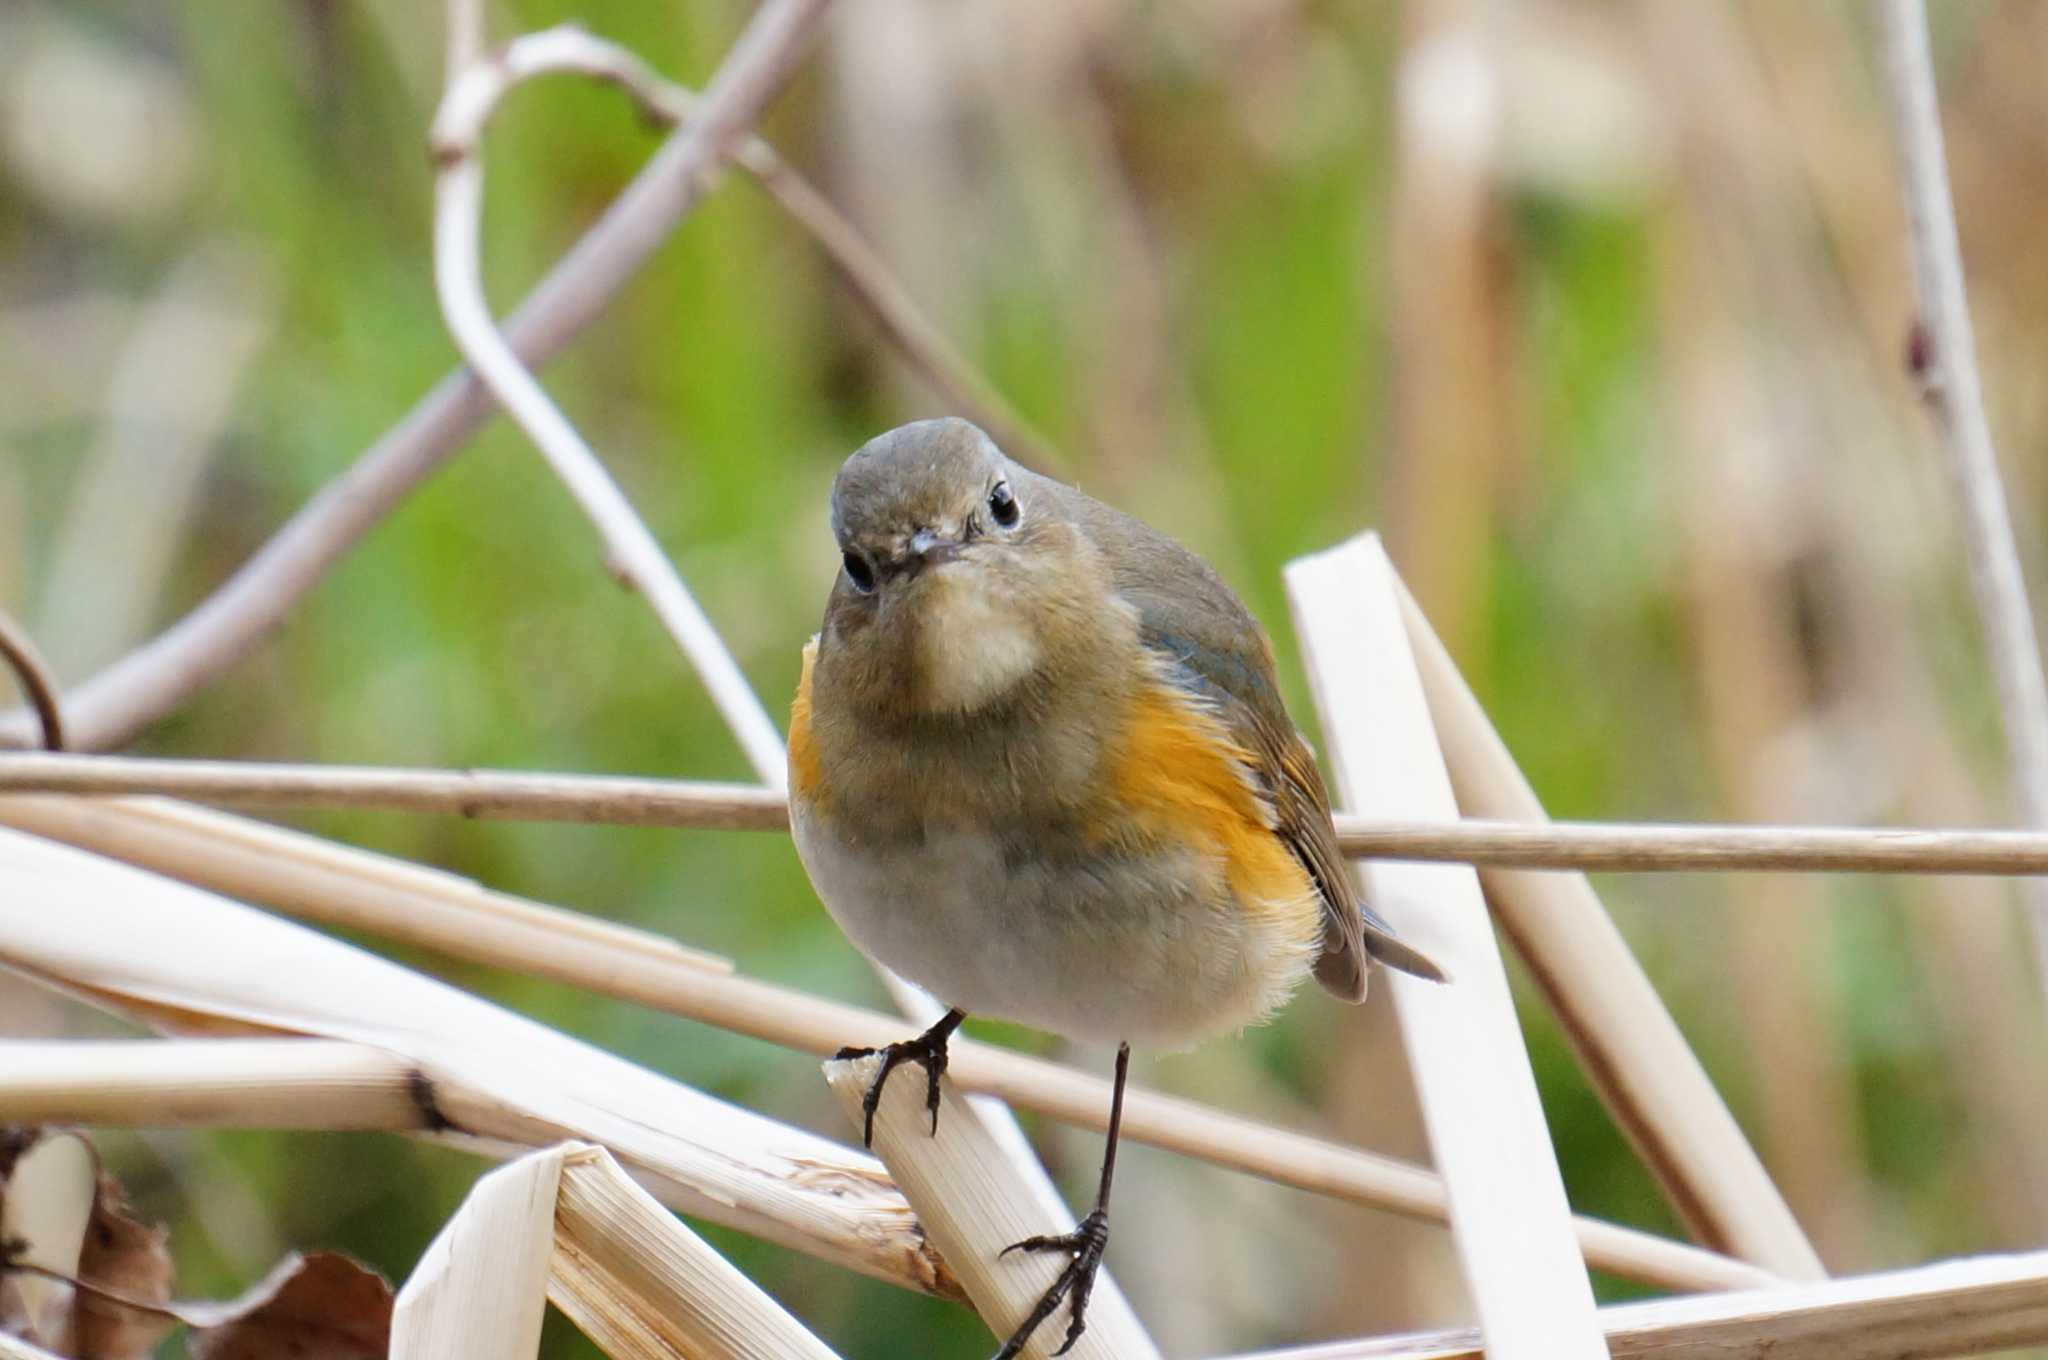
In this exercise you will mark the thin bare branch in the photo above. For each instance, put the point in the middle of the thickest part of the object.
(635, 556)
(32, 673)
(569, 49)
(1945, 357)
(153, 680)
(1595, 847)
(620, 800)
(890, 305)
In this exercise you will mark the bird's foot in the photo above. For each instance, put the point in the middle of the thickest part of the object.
(927, 1050)
(1084, 1245)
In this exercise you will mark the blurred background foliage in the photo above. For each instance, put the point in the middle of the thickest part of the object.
(1597, 311)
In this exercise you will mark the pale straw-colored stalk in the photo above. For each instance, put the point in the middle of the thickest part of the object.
(480, 1288)
(972, 1214)
(226, 1083)
(1627, 1042)
(159, 951)
(266, 865)
(645, 1287)
(1521, 840)
(1961, 1307)
(1512, 1225)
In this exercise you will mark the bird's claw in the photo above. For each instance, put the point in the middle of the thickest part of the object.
(1084, 1245)
(925, 1050)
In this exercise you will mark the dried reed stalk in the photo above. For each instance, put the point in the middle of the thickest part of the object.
(308, 877)
(1628, 1044)
(480, 1288)
(356, 889)
(1962, 1307)
(227, 1083)
(152, 948)
(956, 1177)
(644, 1287)
(1509, 1215)
(618, 800)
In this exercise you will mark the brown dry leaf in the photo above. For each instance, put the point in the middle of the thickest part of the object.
(126, 1257)
(318, 1307)
(61, 1212)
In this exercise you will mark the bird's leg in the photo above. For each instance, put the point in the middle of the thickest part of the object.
(927, 1050)
(1084, 1245)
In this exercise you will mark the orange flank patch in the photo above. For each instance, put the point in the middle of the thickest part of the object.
(1180, 778)
(806, 774)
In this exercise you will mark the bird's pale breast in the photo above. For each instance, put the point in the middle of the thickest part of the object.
(1162, 908)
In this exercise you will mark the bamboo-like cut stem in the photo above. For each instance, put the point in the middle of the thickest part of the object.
(644, 1286)
(957, 1178)
(480, 1288)
(209, 1083)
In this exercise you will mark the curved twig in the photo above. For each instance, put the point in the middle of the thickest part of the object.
(151, 681)
(761, 60)
(1945, 360)
(570, 49)
(37, 683)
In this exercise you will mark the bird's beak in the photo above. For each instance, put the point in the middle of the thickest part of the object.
(927, 549)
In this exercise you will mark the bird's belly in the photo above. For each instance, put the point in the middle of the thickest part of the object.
(1153, 948)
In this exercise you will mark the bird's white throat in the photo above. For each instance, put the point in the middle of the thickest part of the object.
(974, 649)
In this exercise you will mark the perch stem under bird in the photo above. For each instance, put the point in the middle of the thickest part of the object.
(1040, 766)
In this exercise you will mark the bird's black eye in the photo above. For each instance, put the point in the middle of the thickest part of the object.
(1003, 506)
(859, 572)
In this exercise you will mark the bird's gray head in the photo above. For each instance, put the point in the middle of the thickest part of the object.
(918, 496)
(960, 580)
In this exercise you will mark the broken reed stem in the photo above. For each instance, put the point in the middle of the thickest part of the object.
(480, 1288)
(616, 800)
(634, 1277)
(310, 879)
(1946, 363)
(957, 1177)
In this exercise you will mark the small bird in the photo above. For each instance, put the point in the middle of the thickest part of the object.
(1039, 765)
